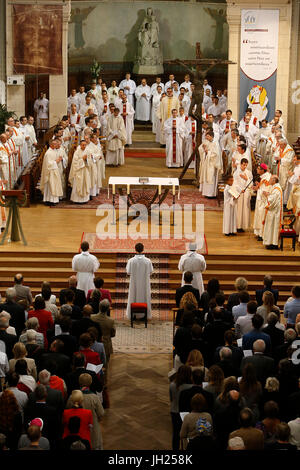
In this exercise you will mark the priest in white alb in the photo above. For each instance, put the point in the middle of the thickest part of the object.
(127, 113)
(261, 200)
(243, 181)
(174, 131)
(294, 198)
(143, 103)
(164, 111)
(32, 142)
(285, 164)
(50, 185)
(210, 165)
(139, 268)
(99, 158)
(196, 264)
(79, 176)
(41, 108)
(129, 87)
(116, 139)
(85, 266)
(190, 140)
(273, 214)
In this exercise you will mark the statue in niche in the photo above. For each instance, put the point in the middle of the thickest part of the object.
(220, 18)
(149, 58)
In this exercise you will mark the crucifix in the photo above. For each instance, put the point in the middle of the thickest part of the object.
(199, 73)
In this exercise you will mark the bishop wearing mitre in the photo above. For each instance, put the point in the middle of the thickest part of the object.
(116, 139)
(79, 176)
(51, 186)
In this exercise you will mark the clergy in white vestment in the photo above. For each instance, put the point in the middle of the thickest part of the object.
(207, 100)
(273, 214)
(113, 91)
(95, 91)
(99, 158)
(171, 82)
(195, 263)
(242, 181)
(249, 131)
(241, 151)
(190, 140)
(119, 99)
(129, 87)
(75, 122)
(139, 268)
(13, 154)
(20, 144)
(216, 109)
(156, 98)
(278, 119)
(184, 101)
(104, 118)
(261, 187)
(225, 124)
(262, 140)
(187, 83)
(230, 209)
(24, 130)
(143, 104)
(127, 113)
(92, 162)
(294, 197)
(116, 139)
(174, 131)
(158, 122)
(73, 99)
(103, 104)
(164, 111)
(229, 144)
(4, 162)
(50, 185)
(79, 176)
(210, 165)
(62, 166)
(285, 164)
(83, 110)
(157, 83)
(32, 142)
(85, 265)
(206, 86)
(81, 95)
(215, 127)
(41, 108)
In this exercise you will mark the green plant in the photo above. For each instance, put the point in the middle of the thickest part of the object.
(4, 115)
(95, 69)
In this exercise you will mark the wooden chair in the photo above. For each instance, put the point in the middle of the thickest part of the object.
(137, 308)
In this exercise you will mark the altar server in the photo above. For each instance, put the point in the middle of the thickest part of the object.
(143, 105)
(195, 263)
(139, 268)
(242, 180)
(85, 266)
(116, 139)
(174, 131)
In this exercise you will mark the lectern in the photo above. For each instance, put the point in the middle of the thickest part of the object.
(12, 200)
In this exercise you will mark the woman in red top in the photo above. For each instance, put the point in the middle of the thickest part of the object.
(86, 417)
(85, 342)
(44, 317)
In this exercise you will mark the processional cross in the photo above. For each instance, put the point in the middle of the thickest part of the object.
(199, 74)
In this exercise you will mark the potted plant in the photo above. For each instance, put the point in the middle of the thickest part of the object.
(95, 69)
(4, 115)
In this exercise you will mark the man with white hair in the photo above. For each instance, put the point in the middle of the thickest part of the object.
(273, 214)
(10, 330)
(194, 263)
(32, 324)
(225, 363)
(54, 397)
(264, 365)
(236, 443)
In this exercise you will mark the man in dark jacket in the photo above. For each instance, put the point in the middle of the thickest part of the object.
(188, 277)
(268, 281)
(15, 310)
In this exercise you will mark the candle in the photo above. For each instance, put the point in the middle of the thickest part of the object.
(108, 192)
(159, 189)
(173, 190)
(128, 190)
(114, 189)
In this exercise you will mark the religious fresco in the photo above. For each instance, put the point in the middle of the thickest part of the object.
(108, 31)
(37, 39)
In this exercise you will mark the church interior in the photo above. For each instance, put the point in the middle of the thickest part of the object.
(158, 142)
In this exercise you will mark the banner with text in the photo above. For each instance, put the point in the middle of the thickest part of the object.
(258, 70)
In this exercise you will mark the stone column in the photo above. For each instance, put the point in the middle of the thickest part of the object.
(284, 44)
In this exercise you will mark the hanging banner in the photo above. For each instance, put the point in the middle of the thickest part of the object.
(37, 36)
(258, 69)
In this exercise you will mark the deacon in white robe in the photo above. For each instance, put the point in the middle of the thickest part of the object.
(4, 162)
(195, 263)
(129, 87)
(127, 113)
(116, 139)
(41, 108)
(174, 131)
(85, 265)
(79, 176)
(273, 214)
(32, 142)
(50, 185)
(210, 165)
(294, 198)
(242, 181)
(261, 187)
(230, 209)
(143, 104)
(139, 268)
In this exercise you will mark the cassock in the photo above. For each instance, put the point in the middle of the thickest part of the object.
(115, 146)
(229, 211)
(190, 140)
(139, 268)
(210, 166)
(129, 93)
(32, 140)
(273, 216)
(164, 112)
(294, 198)
(85, 265)
(174, 130)
(128, 120)
(79, 177)
(50, 178)
(243, 202)
(195, 263)
(260, 204)
(143, 104)
(41, 107)
(284, 165)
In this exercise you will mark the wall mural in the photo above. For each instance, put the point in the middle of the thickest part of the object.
(108, 31)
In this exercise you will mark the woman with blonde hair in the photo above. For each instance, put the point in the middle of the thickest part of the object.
(195, 361)
(188, 303)
(240, 284)
(86, 416)
(267, 306)
(215, 380)
(20, 352)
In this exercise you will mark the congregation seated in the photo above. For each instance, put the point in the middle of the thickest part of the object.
(20, 352)
(267, 305)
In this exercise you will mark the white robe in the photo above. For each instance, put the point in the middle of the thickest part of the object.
(85, 265)
(25, 157)
(180, 134)
(243, 202)
(210, 166)
(73, 100)
(80, 99)
(143, 104)
(195, 263)
(190, 141)
(41, 107)
(250, 135)
(79, 176)
(112, 93)
(139, 268)
(294, 197)
(273, 217)
(154, 88)
(128, 120)
(260, 204)
(285, 165)
(115, 146)
(229, 212)
(154, 118)
(129, 93)
(51, 186)
(32, 140)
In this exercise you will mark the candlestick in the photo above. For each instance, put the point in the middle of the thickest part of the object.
(128, 190)
(173, 190)
(159, 189)
(114, 188)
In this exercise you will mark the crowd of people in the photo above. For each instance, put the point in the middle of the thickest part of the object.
(54, 361)
(235, 381)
